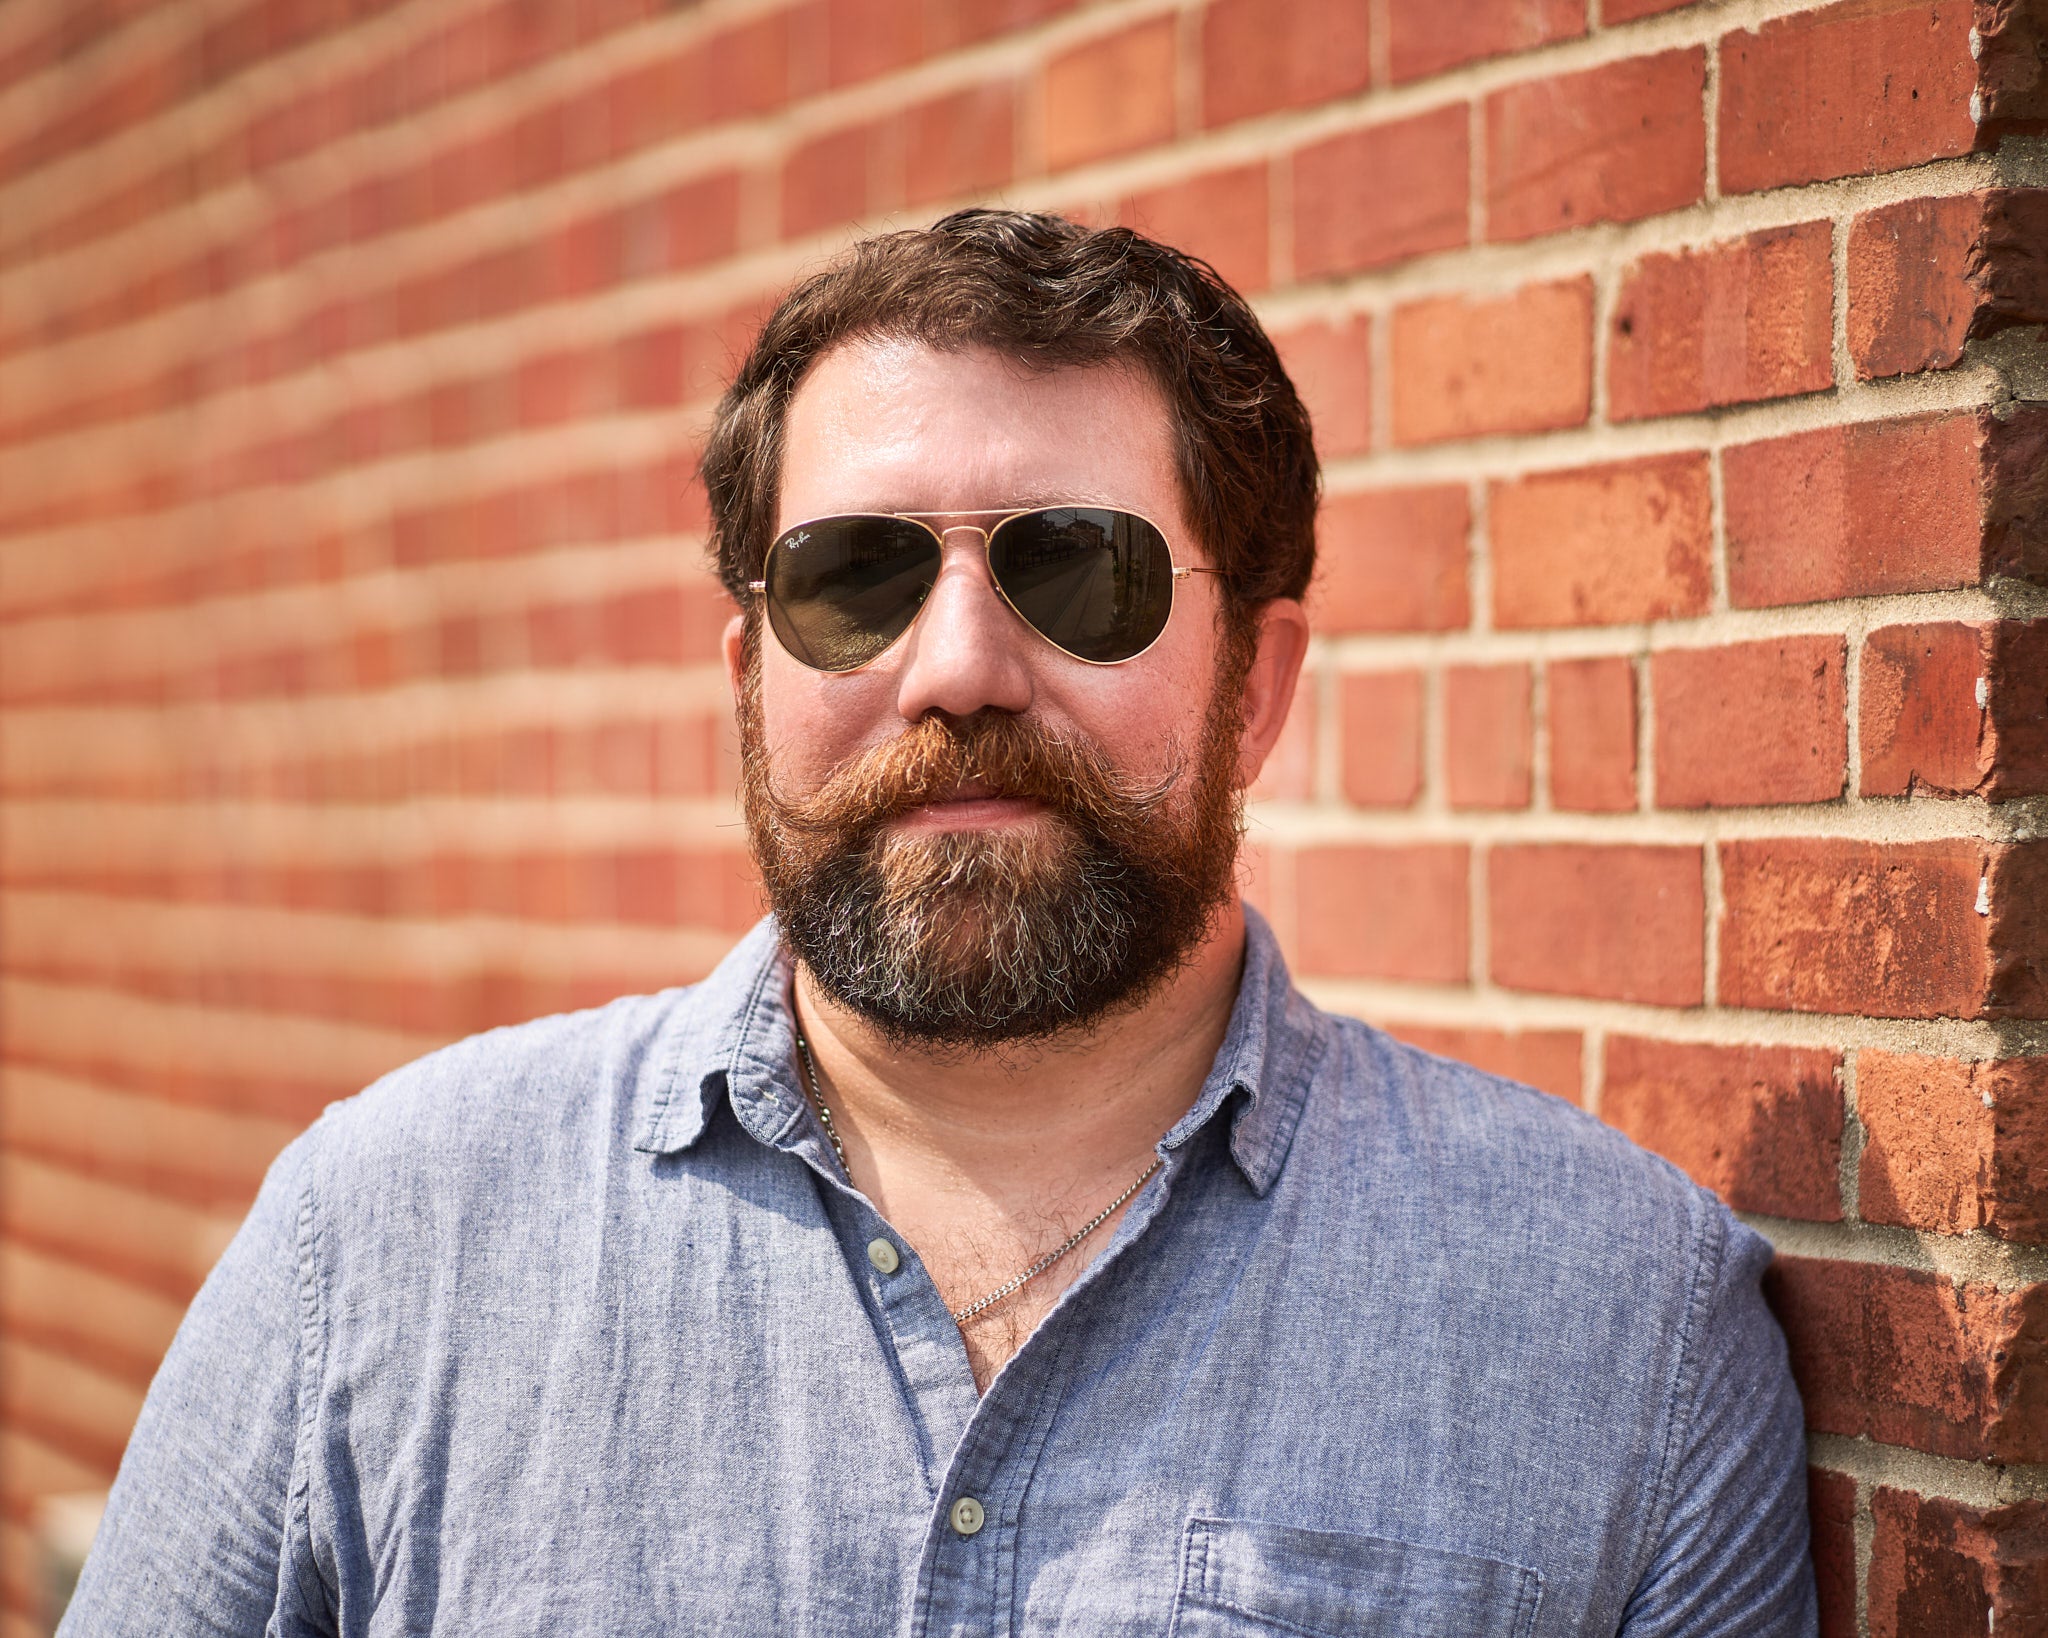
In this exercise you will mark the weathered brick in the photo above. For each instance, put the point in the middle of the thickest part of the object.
(1927, 275)
(1547, 1059)
(1878, 506)
(2015, 467)
(1382, 728)
(1603, 545)
(1331, 367)
(1425, 39)
(1394, 560)
(1954, 1146)
(1910, 1358)
(1488, 736)
(1621, 923)
(1385, 193)
(1592, 711)
(1727, 324)
(1750, 723)
(2010, 44)
(1759, 1125)
(1921, 726)
(1831, 1507)
(1468, 366)
(1941, 1568)
(1222, 216)
(1610, 144)
(1868, 85)
(1890, 930)
(1110, 95)
(1384, 912)
(1257, 57)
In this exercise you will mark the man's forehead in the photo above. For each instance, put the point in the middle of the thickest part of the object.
(891, 424)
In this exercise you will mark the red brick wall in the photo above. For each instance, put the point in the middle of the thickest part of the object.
(1668, 739)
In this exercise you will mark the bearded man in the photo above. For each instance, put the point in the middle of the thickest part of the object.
(996, 1242)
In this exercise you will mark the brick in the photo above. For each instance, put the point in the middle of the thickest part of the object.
(1759, 1125)
(1467, 366)
(2015, 468)
(1425, 38)
(1910, 1358)
(960, 145)
(1620, 923)
(1592, 711)
(1394, 560)
(1888, 930)
(1224, 217)
(1941, 1568)
(1257, 57)
(1851, 89)
(827, 181)
(1630, 11)
(1921, 729)
(1611, 144)
(1547, 1059)
(2010, 45)
(1384, 912)
(869, 37)
(1603, 545)
(1831, 1507)
(1383, 194)
(1751, 723)
(1954, 1146)
(1927, 275)
(1331, 367)
(1877, 507)
(1110, 95)
(1489, 736)
(1727, 324)
(1382, 738)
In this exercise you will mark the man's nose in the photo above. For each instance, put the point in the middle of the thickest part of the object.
(966, 651)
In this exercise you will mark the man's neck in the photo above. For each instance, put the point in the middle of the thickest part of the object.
(986, 1161)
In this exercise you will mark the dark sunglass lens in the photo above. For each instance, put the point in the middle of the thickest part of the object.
(1098, 583)
(841, 590)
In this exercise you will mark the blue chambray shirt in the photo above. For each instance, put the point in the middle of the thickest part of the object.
(571, 1329)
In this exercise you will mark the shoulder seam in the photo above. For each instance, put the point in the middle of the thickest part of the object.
(1685, 1373)
(297, 1546)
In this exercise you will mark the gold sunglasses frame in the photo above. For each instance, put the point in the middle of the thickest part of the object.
(1179, 571)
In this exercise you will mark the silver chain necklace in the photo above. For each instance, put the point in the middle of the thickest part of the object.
(815, 1087)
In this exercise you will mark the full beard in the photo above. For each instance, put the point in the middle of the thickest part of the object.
(976, 939)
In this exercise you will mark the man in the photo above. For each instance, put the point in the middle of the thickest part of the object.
(995, 1242)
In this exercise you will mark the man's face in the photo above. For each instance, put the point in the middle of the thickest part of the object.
(978, 837)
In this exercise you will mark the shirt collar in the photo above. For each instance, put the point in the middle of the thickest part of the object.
(732, 1036)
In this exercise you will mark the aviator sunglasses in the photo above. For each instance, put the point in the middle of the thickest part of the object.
(1095, 582)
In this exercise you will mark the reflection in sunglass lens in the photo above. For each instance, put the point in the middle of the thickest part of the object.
(1099, 583)
(841, 590)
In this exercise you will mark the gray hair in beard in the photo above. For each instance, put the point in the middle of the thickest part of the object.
(976, 940)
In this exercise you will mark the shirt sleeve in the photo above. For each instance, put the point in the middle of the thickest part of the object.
(194, 1539)
(1732, 1556)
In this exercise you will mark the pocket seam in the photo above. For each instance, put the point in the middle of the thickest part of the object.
(1527, 1601)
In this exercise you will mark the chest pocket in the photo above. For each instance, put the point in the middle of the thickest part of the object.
(1239, 1578)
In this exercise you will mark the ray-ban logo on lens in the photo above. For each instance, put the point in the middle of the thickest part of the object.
(800, 538)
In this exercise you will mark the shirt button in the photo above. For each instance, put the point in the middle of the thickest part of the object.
(967, 1516)
(883, 1255)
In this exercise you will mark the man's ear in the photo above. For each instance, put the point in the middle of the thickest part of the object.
(733, 643)
(1269, 685)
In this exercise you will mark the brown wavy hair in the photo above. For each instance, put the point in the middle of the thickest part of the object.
(1049, 292)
